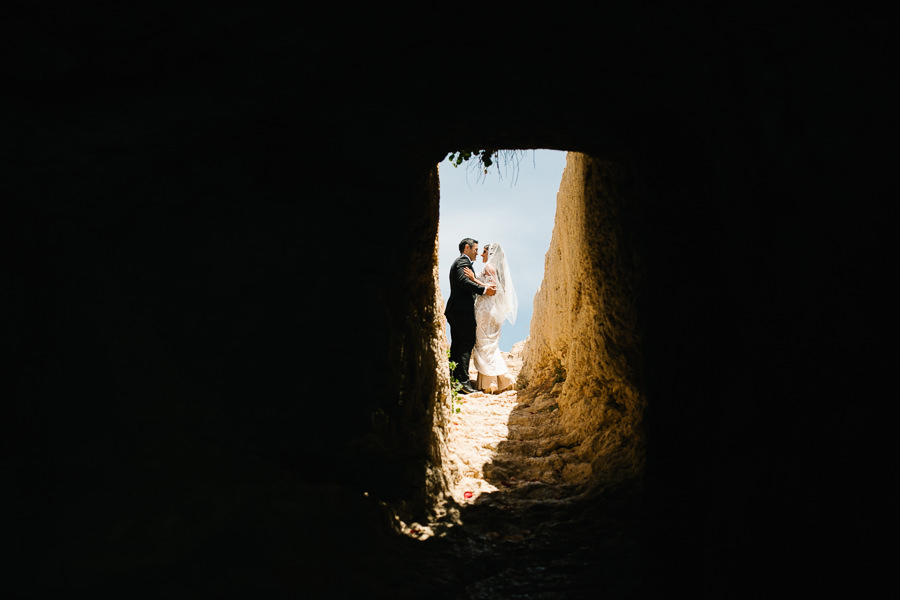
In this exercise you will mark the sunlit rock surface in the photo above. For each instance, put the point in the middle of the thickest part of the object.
(583, 350)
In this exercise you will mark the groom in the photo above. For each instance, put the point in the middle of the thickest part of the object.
(460, 311)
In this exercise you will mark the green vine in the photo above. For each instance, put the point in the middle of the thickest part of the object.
(455, 387)
(485, 157)
(482, 160)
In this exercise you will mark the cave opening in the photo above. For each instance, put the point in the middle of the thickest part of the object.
(515, 465)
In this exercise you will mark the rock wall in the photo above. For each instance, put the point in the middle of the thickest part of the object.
(584, 345)
(408, 429)
(445, 471)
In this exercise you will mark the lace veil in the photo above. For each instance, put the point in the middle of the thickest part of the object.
(506, 303)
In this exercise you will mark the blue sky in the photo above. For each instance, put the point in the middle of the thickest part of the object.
(513, 208)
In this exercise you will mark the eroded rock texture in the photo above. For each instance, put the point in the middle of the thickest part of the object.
(584, 343)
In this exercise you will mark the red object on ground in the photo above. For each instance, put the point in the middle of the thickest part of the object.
(468, 494)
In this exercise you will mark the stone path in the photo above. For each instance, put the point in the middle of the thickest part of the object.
(476, 432)
(514, 528)
(495, 440)
(508, 442)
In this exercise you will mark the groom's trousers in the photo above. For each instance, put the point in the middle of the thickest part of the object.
(462, 340)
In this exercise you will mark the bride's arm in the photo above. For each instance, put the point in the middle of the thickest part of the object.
(490, 274)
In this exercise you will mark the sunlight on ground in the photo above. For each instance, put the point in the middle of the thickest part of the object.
(475, 433)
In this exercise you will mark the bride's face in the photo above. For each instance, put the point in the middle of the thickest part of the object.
(484, 254)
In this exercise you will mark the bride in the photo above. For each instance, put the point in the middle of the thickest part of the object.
(490, 312)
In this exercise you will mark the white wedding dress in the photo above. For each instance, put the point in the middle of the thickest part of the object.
(490, 312)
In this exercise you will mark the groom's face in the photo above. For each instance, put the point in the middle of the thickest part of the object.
(471, 251)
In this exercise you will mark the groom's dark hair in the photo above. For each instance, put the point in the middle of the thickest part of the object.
(469, 241)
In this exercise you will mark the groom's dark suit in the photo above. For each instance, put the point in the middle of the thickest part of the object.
(460, 313)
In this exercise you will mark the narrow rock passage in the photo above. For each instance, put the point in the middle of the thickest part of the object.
(514, 527)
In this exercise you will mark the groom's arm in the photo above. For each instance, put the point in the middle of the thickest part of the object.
(470, 285)
(471, 276)
(465, 282)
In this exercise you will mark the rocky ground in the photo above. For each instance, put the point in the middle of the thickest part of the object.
(513, 527)
(479, 424)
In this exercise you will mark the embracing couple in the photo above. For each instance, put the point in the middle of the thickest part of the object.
(475, 310)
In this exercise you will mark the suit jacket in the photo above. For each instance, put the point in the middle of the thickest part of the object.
(462, 289)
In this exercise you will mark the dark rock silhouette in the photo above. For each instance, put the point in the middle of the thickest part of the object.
(194, 198)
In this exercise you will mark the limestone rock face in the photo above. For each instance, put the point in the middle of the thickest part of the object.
(444, 471)
(583, 344)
